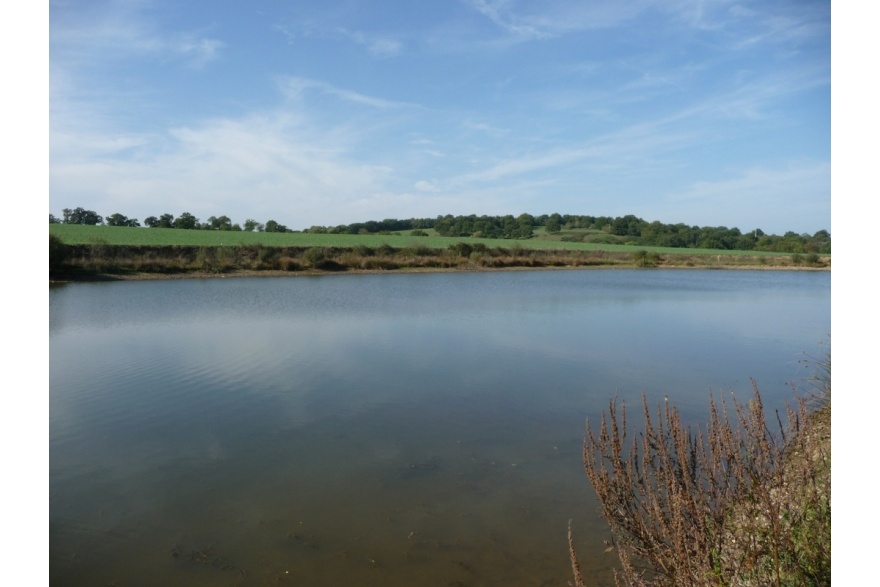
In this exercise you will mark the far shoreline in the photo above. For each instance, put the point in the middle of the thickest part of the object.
(99, 277)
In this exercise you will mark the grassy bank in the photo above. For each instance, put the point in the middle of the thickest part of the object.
(87, 252)
(99, 260)
(77, 234)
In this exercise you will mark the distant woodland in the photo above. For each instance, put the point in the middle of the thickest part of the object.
(567, 227)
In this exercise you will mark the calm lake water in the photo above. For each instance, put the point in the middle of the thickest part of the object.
(380, 429)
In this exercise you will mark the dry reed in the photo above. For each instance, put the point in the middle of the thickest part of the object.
(731, 504)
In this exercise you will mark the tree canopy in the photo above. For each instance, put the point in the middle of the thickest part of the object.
(118, 219)
(81, 216)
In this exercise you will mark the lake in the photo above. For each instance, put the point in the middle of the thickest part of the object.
(421, 429)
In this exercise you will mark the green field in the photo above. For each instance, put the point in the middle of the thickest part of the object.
(77, 234)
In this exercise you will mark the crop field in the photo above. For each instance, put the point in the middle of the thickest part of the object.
(76, 234)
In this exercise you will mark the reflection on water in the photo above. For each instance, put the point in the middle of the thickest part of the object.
(379, 430)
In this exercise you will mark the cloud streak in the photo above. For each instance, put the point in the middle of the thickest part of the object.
(376, 44)
(111, 30)
(296, 87)
(796, 190)
(275, 162)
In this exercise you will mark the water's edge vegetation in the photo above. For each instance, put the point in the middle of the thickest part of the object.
(730, 503)
(101, 260)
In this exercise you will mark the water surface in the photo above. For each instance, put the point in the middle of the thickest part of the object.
(380, 429)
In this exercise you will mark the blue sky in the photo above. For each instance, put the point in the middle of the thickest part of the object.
(324, 112)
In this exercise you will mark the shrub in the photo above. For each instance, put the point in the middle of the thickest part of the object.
(418, 251)
(730, 505)
(385, 250)
(314, 256)
(363, 251)
(330, 265)
(214, 259)
(376, 263)
(100, 250)
(287, 263)
(641, 259)
(461, 249)
(57, 253)
(266, 256)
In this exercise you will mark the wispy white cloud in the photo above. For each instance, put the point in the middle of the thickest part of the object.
(776, 199)
(295, 87)
(500, 13)
(111, 30)
(280, 165)
(426, 186)
(755, 97)
(615, 150)
(767, 24)
(197, 52)
(743, 23)
(528, 20)
(377, 44)
(286, 31)
(653, 138)
(486, 128)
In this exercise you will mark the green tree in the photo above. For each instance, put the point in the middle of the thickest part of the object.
(163, 221)
(186, 220)
(221, 223)
(251, 225)
(118, 219)
(628, 225)
(603, 223)
(520, 227)
(81, 216)
(272, 226)
(528, 219)
(819, 243)
(745, 242)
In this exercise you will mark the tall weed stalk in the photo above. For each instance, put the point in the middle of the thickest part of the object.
(728, 504)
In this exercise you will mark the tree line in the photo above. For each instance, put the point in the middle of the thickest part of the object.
(628, 229)
(185, 221)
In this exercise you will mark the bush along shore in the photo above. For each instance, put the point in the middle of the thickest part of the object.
(727, 503)
(105, 261)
